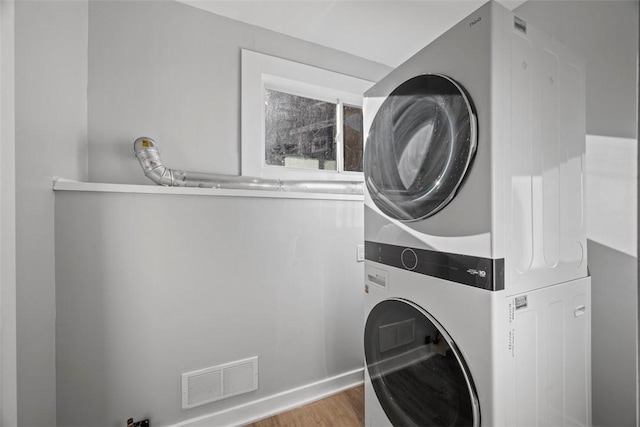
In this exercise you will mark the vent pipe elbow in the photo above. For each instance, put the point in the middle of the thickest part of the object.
(149, 158)
(147, 153)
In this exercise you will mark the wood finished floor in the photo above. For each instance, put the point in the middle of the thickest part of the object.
(345, 409)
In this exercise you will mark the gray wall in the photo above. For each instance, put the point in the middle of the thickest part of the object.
(51, 122)
(151, 286)
(605, 33)
(172, 72)
(9, 404)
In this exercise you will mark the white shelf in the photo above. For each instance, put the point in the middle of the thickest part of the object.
(61, 184)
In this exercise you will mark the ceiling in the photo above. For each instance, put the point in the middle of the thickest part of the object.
(384, 31)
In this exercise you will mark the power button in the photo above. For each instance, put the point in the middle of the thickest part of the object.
(409, 259)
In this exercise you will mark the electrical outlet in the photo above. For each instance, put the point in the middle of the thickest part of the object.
(360, 256)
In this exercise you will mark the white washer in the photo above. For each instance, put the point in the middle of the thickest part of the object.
(439, 354)
(478, 295)
(476, 146)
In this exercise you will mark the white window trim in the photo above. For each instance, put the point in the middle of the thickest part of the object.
(260, 71)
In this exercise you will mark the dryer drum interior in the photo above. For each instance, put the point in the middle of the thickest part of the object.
(419, 147)
(416, 370)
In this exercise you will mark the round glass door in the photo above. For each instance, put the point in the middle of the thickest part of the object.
(420, 145)
(416, 370)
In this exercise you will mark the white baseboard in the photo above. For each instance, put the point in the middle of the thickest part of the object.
(278, 403)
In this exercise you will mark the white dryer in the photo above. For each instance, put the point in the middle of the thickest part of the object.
(475, 147)
(438, 354)
(478, 295)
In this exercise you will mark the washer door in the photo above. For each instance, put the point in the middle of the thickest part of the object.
(416, 370)
(420, 145)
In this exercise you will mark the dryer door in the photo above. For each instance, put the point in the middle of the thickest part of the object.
(419, 147)
(416, 370)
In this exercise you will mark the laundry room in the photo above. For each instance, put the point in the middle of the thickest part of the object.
(119, 294)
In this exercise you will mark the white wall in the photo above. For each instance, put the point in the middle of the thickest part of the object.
(172, 72)
(611, 206)
(8, 378)
(605, 33)
(151, 286)
(51, 123)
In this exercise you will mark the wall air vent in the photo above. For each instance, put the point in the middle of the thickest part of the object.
(219, 382)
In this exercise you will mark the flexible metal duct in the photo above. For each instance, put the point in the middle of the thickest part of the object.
(147, 154)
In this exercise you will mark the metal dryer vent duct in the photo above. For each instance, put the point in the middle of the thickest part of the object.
(147, 154)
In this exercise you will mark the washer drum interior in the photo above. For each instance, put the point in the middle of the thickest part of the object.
(420, 146)
(417, 371)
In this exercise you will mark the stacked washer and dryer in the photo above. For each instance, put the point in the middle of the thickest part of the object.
(478, 296)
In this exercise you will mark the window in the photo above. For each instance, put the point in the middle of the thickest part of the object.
(353, 138)
(300, 122)
(303, 133)
(299, 131)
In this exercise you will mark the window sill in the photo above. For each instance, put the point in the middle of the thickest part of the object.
(61, 184)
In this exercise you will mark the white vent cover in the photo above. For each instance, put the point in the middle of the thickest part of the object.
(219, 382)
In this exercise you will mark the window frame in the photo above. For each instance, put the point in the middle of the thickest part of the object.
(260, 72)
